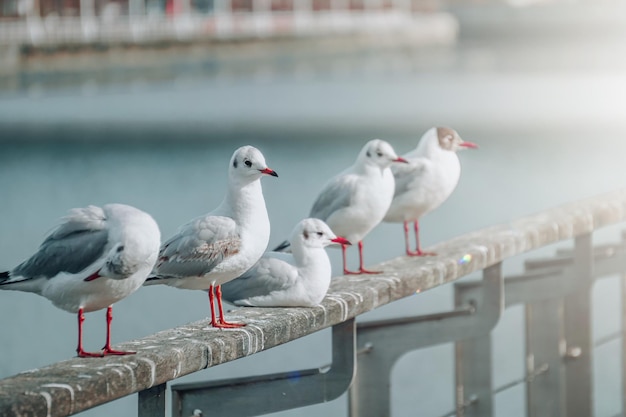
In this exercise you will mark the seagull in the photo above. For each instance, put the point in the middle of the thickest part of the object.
(297, 279)
(353, 202)
(94, 258)
(427, 181)
(213, 249)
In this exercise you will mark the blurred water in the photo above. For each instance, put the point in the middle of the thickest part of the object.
(544, 140)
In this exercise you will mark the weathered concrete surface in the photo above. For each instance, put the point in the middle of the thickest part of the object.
(75, 385)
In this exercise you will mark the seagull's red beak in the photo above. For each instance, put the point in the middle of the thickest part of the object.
(341, 240)
(268, 171)
(401, 159)
(470, 145)
(93, 276)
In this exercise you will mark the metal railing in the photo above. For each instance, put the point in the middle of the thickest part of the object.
(559, 348)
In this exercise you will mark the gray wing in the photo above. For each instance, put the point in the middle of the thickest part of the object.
(198, 247)
(407, 176)
(73, 246)
(336, 195)
(282, 247)
(273, 272)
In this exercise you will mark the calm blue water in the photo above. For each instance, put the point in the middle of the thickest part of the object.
(70, 148)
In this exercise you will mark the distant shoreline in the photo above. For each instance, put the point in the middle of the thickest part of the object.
(168, 52)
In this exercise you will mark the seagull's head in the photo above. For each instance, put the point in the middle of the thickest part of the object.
(448, 139)
(315, 233)
(379, 153)
(248, 164)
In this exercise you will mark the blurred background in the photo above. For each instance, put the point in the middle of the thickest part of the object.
(144, 101)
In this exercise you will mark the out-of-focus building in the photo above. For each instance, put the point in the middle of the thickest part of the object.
(70, 8)
(60, 22)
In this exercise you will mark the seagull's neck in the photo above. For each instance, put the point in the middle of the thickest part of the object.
(244, 202)
(309, 258)
(368, 169)
(430, 150)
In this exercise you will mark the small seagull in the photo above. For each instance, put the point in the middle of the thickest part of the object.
(297, 279)
(353, 202)
(213, 249)
(94, 258)
(427, 181)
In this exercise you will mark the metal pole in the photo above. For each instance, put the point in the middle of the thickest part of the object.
(152, 401)
(473, 364)
(544, 396)
(577, 333)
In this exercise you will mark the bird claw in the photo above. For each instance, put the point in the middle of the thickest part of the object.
(420, 253)
(106, 351)
(361, 271)
(226, 325)
(83, 354)
(367, 271)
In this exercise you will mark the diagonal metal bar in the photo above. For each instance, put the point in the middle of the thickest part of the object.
(555, 281)
(264, 394)
(565, 257)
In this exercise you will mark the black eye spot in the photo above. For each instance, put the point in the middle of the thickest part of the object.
(368, 154)
(120, 248)
(320, 234)
(379, 153)
(306, 234)
(235, 163)
(248, 163)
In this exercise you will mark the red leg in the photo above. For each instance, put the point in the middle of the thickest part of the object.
(108, 350)
(362, 270)
(407, 244)
(212, 306)
(216, 322)
(222, 320)
(79, 350)
(418, 250)
(346, 271)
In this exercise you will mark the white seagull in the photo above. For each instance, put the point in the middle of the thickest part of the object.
(213, 249)
(353, 202)
(94, 258)
(427, 181)
(297, 279)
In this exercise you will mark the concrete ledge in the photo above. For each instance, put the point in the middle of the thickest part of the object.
(78, 384)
